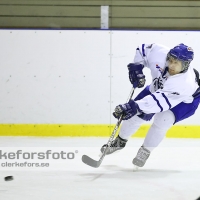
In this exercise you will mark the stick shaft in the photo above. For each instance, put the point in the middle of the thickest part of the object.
(93, 163)
(116, 127)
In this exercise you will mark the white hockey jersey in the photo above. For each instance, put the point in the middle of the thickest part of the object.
(166, 91)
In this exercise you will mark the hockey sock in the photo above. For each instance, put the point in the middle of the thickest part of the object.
(130, 126)
(162, 122)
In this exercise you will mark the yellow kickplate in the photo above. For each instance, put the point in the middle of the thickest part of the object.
(87, 130)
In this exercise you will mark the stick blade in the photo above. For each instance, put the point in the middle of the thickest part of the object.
(89, 161)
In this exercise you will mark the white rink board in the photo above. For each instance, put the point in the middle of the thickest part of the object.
(56, 77)
(63, 76)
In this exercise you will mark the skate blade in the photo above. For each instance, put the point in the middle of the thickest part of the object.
(135, 168)
(137, 162)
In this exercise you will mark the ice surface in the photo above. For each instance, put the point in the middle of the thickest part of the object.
(171, 173)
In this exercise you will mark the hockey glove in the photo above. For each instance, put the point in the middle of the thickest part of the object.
(136, 76)
(128, 110)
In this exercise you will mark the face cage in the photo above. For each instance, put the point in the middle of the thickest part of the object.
(185, 64)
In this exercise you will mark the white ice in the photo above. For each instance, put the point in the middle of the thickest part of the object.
(171, 173)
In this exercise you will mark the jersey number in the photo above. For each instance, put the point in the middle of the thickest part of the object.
(158, 83)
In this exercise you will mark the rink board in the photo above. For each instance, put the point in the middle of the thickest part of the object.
(85, 130)
(68, 82)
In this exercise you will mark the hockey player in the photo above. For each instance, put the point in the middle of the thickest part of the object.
(172, 96)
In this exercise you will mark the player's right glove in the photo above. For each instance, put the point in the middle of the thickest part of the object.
(128, 110)
(136, 76)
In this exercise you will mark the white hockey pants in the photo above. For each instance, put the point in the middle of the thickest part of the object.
(161, 124)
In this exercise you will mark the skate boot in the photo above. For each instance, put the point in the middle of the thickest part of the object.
(117, 144)
(141, 157)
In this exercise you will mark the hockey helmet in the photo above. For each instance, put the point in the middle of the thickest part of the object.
(183, 53)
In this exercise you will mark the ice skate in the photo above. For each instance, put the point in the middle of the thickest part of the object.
(141, 157)
(117, 144)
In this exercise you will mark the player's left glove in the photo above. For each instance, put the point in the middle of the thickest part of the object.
(128, 110)
(136, 76)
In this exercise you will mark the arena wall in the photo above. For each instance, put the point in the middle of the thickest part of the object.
(68, 82)
(129, 14)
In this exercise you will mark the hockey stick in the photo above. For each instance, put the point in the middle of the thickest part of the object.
(93, 163)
